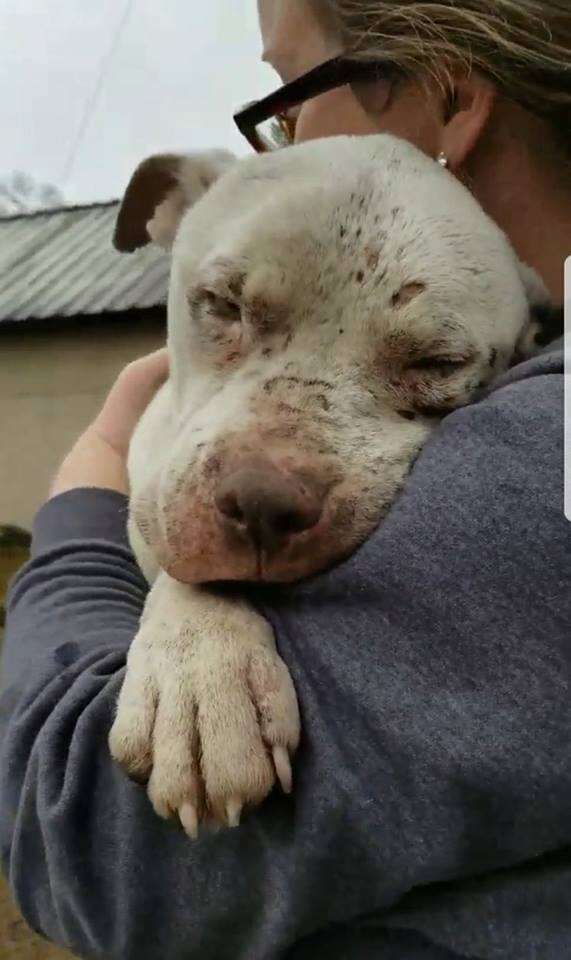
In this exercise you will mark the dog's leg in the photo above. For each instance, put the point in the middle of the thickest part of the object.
(207, 713)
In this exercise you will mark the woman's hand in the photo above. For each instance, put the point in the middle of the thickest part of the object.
(99, 458)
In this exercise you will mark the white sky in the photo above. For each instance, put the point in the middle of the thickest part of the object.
(91, 87)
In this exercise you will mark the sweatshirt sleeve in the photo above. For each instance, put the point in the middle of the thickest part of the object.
(432, 672)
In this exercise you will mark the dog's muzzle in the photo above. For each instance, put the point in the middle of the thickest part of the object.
(241, 516)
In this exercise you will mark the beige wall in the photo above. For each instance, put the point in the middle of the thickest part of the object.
(52, 381)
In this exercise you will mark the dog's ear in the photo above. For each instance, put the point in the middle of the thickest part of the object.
(545, 321)
(161, 189)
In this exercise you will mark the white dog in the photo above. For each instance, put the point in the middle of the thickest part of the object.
(328, 304)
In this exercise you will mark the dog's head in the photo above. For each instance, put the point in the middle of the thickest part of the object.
(329, 304)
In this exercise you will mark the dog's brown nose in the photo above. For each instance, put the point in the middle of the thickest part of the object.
(268, 506)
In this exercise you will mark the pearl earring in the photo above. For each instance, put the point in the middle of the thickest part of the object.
(442, 159)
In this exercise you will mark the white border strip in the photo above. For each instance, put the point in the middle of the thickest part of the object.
(567, 378)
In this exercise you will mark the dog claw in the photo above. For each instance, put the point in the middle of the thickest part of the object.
(189, 819)
(283, 768)
(233, 811)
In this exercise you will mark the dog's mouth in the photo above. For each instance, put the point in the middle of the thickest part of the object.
(254, 525)
(257, 555)
(261, 513)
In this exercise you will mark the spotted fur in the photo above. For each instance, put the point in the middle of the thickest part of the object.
(328, 305)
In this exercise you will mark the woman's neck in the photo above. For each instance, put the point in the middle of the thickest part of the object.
(538, 224)
(530, 204)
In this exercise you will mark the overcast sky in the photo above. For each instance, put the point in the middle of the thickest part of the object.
(90, 87)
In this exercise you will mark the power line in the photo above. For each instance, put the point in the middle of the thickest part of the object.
(92, 100)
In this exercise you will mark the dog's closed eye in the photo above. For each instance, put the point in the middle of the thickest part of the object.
(439, 366)
(222, 307)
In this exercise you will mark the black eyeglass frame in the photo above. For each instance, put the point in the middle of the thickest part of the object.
(333, 73)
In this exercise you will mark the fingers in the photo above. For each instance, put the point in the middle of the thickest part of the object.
(129, 397)
(141, 378)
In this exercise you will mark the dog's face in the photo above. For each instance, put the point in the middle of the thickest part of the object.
(328, 305)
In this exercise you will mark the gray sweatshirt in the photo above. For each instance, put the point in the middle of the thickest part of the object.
(431, 817)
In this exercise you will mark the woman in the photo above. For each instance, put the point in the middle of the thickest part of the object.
(432, 814)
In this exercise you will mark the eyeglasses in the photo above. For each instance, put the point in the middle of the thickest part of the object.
(270, 123)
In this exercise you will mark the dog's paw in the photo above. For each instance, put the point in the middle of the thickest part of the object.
(209, 723)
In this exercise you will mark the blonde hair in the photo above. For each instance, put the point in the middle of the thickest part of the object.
(524, 46)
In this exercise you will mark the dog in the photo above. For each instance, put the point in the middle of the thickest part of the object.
(329, 303)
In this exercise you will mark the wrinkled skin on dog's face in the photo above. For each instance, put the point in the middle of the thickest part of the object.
(328, 305)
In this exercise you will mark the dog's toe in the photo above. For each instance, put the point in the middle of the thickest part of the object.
(175, 785)
(131, 736)
(235, 764)
(245, 746)
(274, 695)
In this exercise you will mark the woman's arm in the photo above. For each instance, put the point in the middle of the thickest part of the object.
(432, 673)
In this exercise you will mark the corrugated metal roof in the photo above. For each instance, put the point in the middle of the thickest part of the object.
(61, 263)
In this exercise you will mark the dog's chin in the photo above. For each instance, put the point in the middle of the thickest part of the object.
(305, 556)
(255, 569)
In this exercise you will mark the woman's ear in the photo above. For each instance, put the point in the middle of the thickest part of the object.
(469, 114)
(160, 191)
